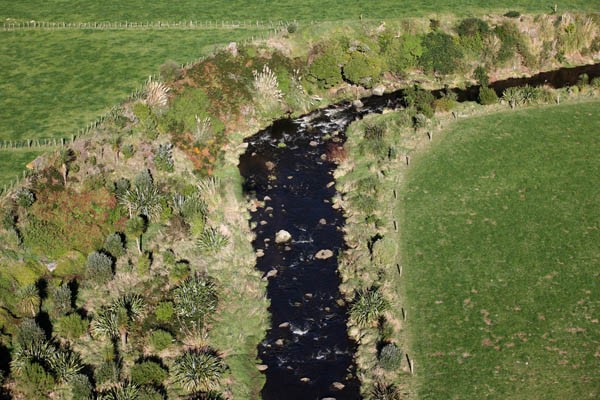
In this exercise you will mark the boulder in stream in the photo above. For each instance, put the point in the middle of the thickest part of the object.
(282, 236)
(324, 254)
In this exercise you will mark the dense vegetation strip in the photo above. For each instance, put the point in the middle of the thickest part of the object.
(499, 236)
(139, 10)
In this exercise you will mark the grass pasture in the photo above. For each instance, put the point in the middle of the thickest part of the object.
(55, 82)
(264, 10)
(13, 161)
(500, 233)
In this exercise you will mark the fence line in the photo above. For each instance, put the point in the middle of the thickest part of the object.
(134, 95)
(208, 24)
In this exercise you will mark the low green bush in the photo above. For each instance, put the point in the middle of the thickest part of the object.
(487, 96)
(80, 387)
(170, 71)
(148, 373)
(164, 311)
(512, 14)
(363, 69)
(368, 306)
(160, 340)
(163, 157)
(114, 244)
(34, 381)
(441, 54)
(400, 54)
(325, 69)
(71, 326)
(472, 27)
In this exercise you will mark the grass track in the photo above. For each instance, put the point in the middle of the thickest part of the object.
(304, 10)
(500, 239)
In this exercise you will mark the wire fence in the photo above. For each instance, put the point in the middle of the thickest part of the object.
(136, 94)
(209, 24)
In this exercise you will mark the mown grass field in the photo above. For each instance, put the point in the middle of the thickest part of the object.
(304, 10)
(501, 226)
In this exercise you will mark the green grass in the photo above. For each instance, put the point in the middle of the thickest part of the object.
(53, 83)
(500, 248)
(13, 162)
(140, 10)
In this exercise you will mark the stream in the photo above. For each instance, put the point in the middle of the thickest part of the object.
(290, 166)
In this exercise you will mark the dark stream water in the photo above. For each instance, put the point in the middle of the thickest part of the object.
(290, 166)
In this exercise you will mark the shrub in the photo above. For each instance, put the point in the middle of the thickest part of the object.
(363, 69)
(148, 373)
(168, 257)
(160, 340)
(108, 371)
(25, 198)
(144, 262)
(441, 54)
(163, 157)
(401, 53)
(595, 83)
(71, 326)
(472, 27)
(512, 14)
(99, 267)
(292, 27)
(390, 357)
(513, 96)
(29, 333)
(421, 100)
(128, 151)
(513, 43)
(325, 69)
(481, 76)
(170, 71)
(80, 387)
(150, 393)
(189, 105)
(582, 81)
(487, 96)
(61, 300)
(164, 311)
(368, 307)
(114, 245)
(34, 381)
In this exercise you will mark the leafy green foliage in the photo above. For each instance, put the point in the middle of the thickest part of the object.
(164, 311)
(420, 99)
(80, 387)
(487, 96)
(481, 76)
(198, 369)
(61, 299)
(472, 27)
(160, 340)
(148, 373)
(368, 306)
(401, 54)
(170, 71)
(325, 69)
(441, 54)
(71, 326)
(363, 68)
(34, 381)
(513, 43)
